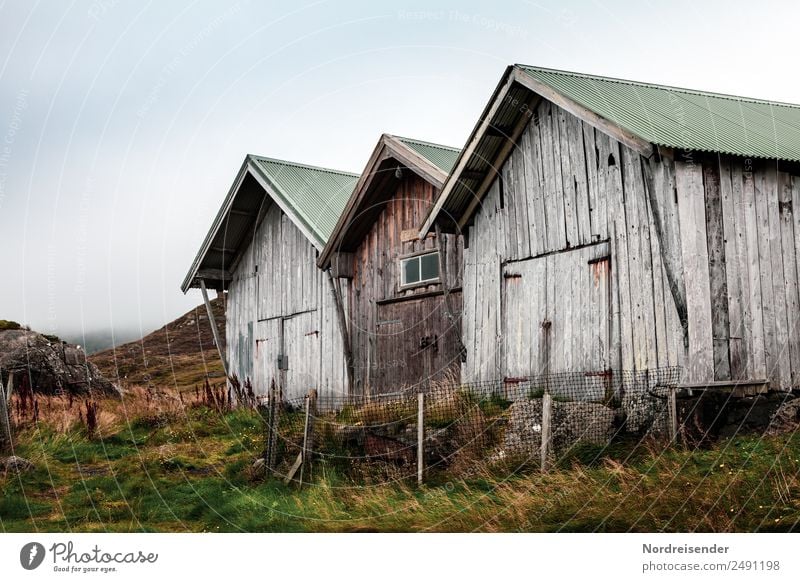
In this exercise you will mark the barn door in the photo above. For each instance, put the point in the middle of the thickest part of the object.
(267, 350)
(416, 343)
(556, 313)
(301, 353)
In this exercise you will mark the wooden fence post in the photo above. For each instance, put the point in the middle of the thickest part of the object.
(547, 414)
(273, 407)
(420, 436)
(672, 405)
(5, 421)
(308, 436)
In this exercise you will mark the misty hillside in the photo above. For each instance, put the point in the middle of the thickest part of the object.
(181, 354)
(97, 341)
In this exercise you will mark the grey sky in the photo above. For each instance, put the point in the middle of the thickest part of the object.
(123, 123)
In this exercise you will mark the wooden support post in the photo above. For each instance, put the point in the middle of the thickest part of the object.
(420, 436)
(336, 290)
(672, 405)
(214, 330)
(5, 422)
(547, 415)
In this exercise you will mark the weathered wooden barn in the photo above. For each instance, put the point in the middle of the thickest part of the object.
(282, 321)
(616, 225)
(404, 299)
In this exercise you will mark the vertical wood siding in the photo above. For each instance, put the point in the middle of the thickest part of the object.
(277, 290)
(376, 280)
(567, 186)
(705, 257)
(752, 296)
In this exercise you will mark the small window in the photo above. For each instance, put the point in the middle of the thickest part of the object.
(419, 269)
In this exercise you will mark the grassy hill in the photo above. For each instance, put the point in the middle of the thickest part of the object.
(180, 355)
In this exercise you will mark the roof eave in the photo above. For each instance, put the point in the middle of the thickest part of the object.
(190, 280)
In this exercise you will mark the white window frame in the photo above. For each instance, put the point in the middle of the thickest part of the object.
(402, 260)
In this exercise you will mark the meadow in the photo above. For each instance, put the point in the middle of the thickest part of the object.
(168, 462)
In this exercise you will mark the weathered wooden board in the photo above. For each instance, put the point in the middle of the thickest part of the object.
(718, 278)
(694, 248)
(750, 227)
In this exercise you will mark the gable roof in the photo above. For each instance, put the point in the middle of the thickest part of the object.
(432, 162)
(312, 198)
(640, 115)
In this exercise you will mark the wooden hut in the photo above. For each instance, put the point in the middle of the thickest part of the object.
(404, 293)
(281, 317)
(610, 224)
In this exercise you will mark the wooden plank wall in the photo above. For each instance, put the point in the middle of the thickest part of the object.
(277, 278)
(567, 185)
(741, 269)
(376, 276)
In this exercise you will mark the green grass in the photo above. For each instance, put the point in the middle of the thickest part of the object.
(192, 474)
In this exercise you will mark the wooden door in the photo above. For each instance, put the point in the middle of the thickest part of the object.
(301, 336)
(417, 342)
(556, 313)
(267, 348)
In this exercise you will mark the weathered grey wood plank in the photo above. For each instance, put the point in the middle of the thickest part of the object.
(789, 258)
(763, 268)
(715, 236)
(691, 211)
(532, 165)
(757, 335)
(776, 270)
(564, 179)
(736, 329)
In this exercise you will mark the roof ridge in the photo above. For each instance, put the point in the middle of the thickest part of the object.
(425, 143)
(685, 90)
(305, 166)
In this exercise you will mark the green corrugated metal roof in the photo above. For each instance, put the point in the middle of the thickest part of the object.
(317, 195)
(442, 157)
(683, 118)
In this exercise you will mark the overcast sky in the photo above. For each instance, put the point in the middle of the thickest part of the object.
(123, 122)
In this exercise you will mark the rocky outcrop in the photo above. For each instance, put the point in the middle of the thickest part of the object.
(50, 367)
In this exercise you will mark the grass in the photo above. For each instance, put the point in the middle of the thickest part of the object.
(159, 466)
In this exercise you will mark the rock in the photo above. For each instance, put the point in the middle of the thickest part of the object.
(523, 434)
(15, 464)
(52, 366)
(572, 422)
(586, 422)
(786, 418)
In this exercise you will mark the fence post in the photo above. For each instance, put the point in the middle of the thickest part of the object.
(311, 411)
(672, 405)
(420, 436)
(547, 413)
(5, 421)
(272, 434)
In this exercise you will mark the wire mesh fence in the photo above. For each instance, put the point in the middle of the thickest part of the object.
(537, 420)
